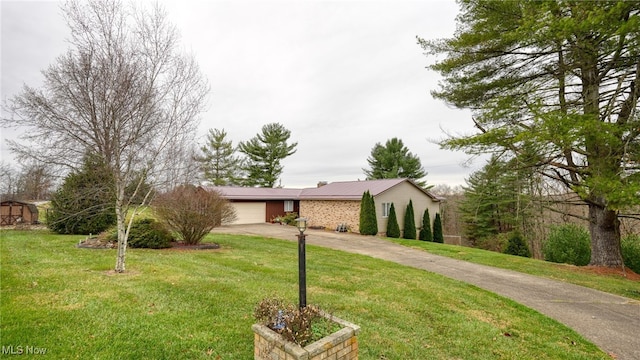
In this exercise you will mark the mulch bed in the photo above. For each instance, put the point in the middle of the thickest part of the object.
(98, 243)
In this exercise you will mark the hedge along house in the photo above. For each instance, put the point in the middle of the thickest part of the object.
(338, 203)
(259, 205)
(18, 212)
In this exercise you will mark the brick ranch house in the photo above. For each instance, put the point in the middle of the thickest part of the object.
(333, 204)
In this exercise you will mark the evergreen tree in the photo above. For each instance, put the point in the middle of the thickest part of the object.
(84, 203)
(437, 229)
(409, 223)
(368, 220)
(218, 161)
(363, 211)
(264, 153)
(425, 232)
(393, 229)
(561, 76)
(371, 214)
(495, 199)
(393, 161)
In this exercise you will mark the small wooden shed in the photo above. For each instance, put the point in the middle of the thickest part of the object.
(17, 212)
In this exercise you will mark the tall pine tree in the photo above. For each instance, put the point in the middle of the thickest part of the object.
(218, 162)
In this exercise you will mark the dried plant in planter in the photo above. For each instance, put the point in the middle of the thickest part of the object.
(298, 325)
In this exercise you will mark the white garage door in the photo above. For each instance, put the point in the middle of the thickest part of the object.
(250, 212)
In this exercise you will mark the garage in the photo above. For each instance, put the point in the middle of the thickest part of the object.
(250, 212)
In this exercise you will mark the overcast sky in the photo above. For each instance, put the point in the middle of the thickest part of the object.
(340, 75)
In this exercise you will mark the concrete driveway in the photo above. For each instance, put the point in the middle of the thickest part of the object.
(611, 322)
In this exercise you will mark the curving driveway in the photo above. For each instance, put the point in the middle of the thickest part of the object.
(611, 322)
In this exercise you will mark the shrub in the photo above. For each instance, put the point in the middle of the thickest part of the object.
(145, 233)
(368, 220)
(497, 243)
(517, 246)
(425, 232)
(437, 229)
(630, 247)
(393, 229)
(568, 244)
(289, 218)
(193, 212)
(409, 223)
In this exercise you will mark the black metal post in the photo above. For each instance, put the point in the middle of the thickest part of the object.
(302, 270)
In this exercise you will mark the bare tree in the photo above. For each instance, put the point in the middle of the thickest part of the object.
(8, 182)
(123, 92)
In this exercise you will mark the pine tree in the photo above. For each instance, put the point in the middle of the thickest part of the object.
(264, 155)
(437, 229)
(393, 229)
(84, 202)
(218, 162)
(425, 232)
(409, 223)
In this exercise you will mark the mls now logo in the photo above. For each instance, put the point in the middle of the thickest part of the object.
(23, 350)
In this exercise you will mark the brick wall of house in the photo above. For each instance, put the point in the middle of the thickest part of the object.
(330, 213)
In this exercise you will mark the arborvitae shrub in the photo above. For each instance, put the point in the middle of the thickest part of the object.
(425, 232)
(409, 223)
(146, 233)
(517, 246)
(368, 220)
(630, 247)
(437, 229)
(393, 229)
(568, 244)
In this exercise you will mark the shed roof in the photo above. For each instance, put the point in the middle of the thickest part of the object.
(32, 207)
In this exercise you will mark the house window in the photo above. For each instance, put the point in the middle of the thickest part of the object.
(386, 207)
(288, 205)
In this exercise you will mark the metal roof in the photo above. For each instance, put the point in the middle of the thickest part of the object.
(341, 190)
(255, 193)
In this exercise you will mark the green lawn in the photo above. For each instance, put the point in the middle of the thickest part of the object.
(611, 283)
(198, 304)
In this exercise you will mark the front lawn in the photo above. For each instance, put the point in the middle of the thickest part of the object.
(198, 304)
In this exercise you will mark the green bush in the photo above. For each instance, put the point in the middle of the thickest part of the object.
(517, 246)
(393, 229)
(497, 243)
(289, 218)
(437, 229)
(425, 232)
(409, 223)
(568, 244)
(146, 233)
(631, 252)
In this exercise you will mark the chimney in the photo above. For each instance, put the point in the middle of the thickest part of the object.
(322, 183)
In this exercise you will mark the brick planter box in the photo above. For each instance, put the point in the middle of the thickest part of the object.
(341, 345)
